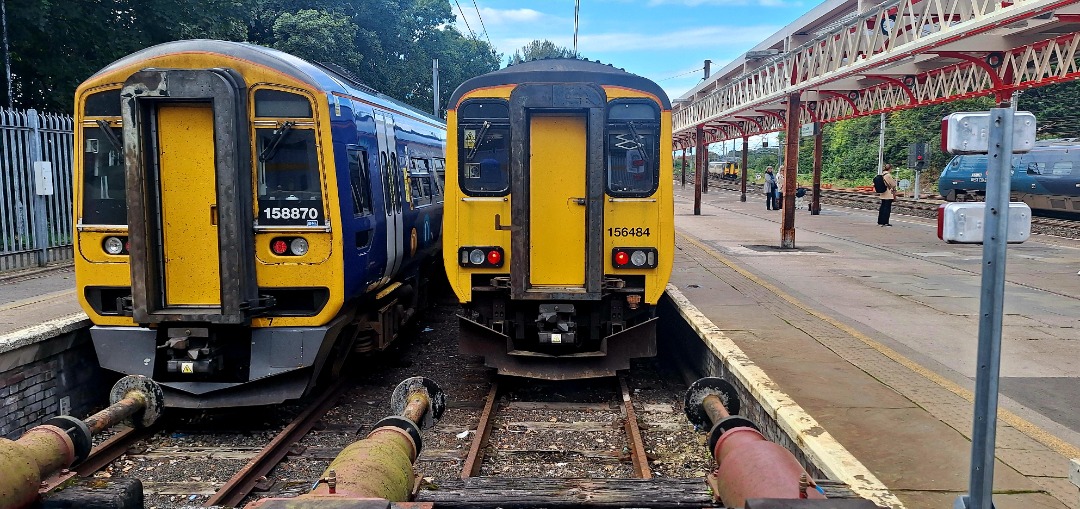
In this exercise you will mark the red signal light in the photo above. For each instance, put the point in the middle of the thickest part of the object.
(494, 257)
(279, 246)
(621, 258)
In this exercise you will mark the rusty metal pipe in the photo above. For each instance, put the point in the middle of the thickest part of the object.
(64, 440)
(133, 402)
(381, 465)
(747, 465)
(714, 407)
(416, 407)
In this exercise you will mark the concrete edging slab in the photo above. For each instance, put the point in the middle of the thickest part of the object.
(35, 333)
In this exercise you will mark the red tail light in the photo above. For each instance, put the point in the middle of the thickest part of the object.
(279, 246)
(621, 258)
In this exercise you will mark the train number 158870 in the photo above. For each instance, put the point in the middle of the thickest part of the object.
(628, 232)
(291, 213)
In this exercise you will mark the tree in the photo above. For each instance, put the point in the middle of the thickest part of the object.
(538, 50)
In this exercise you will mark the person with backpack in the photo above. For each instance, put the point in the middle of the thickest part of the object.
(885, 187)
(770, 190)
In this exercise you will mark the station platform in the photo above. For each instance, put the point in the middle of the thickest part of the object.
(873, 331)
(37, 296)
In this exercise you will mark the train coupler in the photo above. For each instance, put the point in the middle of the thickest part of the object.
(555, 324)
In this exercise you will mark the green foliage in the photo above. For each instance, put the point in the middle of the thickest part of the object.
(389, 44)
(539, 50)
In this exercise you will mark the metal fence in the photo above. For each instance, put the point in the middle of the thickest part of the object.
(35, 188)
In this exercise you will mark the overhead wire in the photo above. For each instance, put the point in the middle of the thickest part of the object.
(683, 74)
(486, 36)
(462, 12)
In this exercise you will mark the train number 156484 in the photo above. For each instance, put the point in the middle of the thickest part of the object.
(628, 232)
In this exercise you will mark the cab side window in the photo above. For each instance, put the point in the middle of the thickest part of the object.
(360, 181)
(484, 148)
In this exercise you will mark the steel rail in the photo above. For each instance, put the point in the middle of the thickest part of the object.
(242, 483)
(100, 456)
(633, 434)
(473, 461)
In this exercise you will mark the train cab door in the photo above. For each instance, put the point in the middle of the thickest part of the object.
(557, 203)
(188, 174)
(187, 189)
(392, 196)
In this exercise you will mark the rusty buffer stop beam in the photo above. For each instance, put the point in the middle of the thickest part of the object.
(381, 465)
(747, 465)
(64, 441)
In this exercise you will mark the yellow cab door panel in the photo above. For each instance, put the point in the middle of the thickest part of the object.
(188, 205)
(557, 170)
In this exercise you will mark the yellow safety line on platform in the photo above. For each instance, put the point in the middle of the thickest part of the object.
(36, 299)
(1024, 426)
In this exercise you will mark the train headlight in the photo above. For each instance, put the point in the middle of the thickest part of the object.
(634, 258)
(299, 246)
(114, 245)
(476, 257)
(480, 256)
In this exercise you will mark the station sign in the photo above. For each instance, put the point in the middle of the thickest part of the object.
(808, 130)
(962, 223)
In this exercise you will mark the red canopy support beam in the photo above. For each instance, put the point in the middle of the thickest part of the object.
(1001, 91)
(699, 156)
(815, 202)
(790, 169)
(745, 150)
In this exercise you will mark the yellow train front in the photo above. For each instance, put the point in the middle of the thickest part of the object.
(558, 225)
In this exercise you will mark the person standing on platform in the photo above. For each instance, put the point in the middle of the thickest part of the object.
(780, 189)
(887, 197)
(770, 189)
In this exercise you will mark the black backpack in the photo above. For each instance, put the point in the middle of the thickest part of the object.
(879, 184)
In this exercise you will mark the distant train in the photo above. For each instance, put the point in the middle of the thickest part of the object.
(724, 170)
(1047, 178)
(559, 228)
(246, 219)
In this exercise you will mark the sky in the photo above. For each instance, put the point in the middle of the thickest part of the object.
(666, 41)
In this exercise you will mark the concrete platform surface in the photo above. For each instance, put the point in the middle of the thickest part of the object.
(33, 297)
(873, 331)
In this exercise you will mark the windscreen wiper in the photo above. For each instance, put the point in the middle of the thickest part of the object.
(279, 135)
(479, 140)
(640, 145)
(109, 135)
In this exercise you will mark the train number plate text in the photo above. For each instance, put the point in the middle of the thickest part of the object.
(628, 232)
(294, 213)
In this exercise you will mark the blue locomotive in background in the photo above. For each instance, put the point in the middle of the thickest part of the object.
(1047, 178)
(246, 219)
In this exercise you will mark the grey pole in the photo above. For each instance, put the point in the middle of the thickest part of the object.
(7, 55)
(41, 216)
(435, 85)
(991, 301)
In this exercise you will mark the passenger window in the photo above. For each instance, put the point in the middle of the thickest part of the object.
(419, 182)
(632, 148)
(290, 191)
(361, 183)
(1062, 168)
(484, 147)
(439, 165)
(104, 201)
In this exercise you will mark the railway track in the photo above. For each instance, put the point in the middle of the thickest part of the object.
(527, 443)
(1065, 228)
